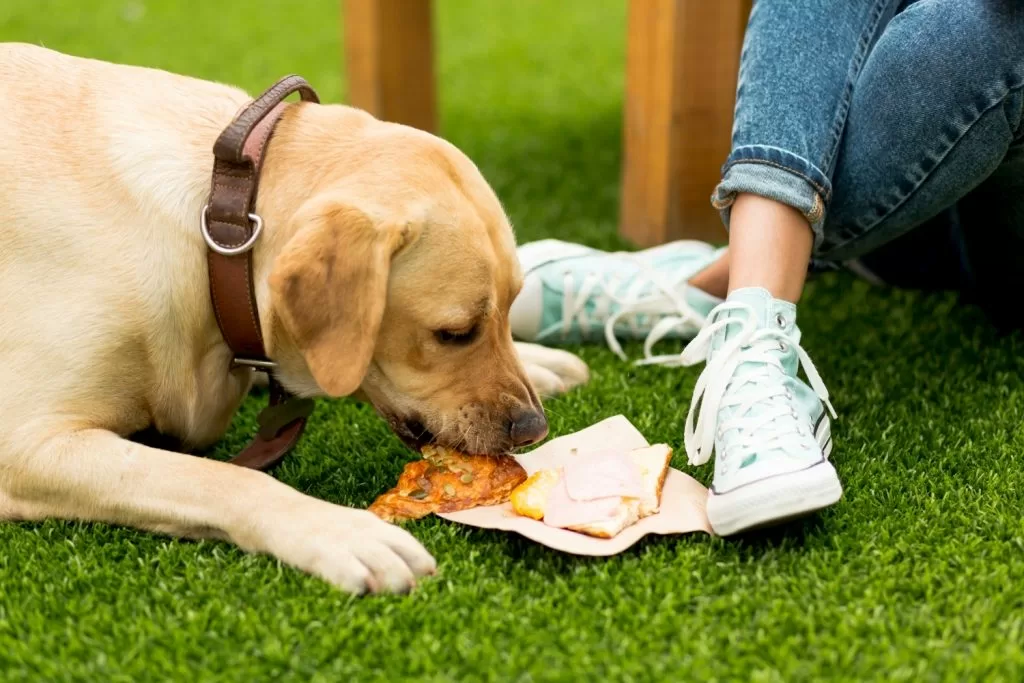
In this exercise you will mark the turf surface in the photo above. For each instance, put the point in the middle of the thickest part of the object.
(916, 575)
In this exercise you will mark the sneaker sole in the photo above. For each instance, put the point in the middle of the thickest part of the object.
(778, 499)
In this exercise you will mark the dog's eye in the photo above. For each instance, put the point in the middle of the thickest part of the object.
(456, 336)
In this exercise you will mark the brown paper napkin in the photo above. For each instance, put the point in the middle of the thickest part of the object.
(683, 499)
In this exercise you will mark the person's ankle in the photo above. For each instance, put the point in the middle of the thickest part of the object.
(780, 293)
(770, 245)
(713, 280)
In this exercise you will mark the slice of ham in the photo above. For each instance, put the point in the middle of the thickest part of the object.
(604, 474)
(562, 511)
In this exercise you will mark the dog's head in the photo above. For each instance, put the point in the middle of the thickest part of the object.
(395, 284)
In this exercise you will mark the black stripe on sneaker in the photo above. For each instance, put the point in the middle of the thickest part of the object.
(820, 422)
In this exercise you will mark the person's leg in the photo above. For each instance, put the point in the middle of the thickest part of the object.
(956, 139)
(884, 127)
(936, 113)
(770, 244)
(801, 59)
(760, 227)
(799, 62)
(906, 161)
(769, 429)
(931, 257)
(714, 279)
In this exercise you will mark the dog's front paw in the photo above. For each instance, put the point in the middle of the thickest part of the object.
(552, 371)
(352, 549)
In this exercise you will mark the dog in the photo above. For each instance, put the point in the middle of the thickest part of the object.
(385, 273)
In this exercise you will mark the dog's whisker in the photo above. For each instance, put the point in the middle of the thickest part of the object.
(464, 440)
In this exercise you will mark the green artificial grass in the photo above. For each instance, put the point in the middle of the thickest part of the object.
(915, 575)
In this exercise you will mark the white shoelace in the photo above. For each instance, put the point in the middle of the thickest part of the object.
(666, 301)
(777, 425)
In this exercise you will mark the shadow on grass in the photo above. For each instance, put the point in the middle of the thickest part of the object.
(532, 556)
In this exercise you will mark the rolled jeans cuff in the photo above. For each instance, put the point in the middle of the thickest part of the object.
(775, 174)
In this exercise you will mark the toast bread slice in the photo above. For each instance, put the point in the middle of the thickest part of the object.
(530, 498)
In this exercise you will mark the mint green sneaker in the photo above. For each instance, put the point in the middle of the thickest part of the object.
(770, 430)
(573, 294)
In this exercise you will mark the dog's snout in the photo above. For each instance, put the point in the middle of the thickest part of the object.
(528, 427)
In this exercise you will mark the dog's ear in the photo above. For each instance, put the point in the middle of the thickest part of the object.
(329, 286)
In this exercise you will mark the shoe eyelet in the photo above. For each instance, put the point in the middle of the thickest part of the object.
(783, 347)
(780, 320)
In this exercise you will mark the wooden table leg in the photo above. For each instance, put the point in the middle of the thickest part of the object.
(389, 58)
(682, 57)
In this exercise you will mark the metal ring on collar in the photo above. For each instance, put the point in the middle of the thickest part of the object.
(257, 228)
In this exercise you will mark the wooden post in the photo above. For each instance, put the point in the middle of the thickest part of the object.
(682, 58)
(389, 56)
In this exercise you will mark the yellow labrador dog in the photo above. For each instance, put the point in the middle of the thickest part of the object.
(385, 271)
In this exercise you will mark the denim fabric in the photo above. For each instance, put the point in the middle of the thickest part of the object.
(877, 116)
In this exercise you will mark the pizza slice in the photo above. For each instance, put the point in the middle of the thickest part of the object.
(446, 481)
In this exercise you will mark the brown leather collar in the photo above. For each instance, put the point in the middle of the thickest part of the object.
(231, 227)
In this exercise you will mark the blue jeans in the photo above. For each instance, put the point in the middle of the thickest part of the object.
(890, 124)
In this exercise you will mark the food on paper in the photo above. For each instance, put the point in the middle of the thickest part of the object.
(447, 481)
(599, 494)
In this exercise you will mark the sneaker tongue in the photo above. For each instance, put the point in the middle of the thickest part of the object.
(766, 310)
(760, 300)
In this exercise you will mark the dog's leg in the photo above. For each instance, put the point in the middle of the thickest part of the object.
(552, 371)
(96, 475)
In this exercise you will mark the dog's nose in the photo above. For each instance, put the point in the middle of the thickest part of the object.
(528, 427)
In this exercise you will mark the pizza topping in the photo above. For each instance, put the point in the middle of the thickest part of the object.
(446, 481)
